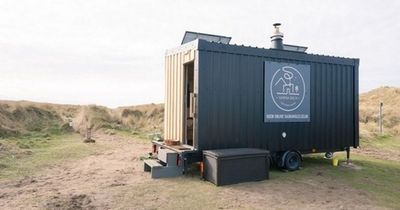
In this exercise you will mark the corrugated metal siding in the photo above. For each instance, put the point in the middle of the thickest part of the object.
(231, 94)
(174, 93)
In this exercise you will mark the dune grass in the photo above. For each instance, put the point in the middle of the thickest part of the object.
(26, 155)
(379, 178)
(140, 136)
(385, 142)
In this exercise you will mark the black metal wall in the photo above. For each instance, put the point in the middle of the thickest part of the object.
(231, 101)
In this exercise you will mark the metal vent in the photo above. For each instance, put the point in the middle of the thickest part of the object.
(294, 48)
(190, 36)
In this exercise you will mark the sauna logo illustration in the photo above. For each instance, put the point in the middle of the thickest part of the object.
(286, 92)
(287, 88)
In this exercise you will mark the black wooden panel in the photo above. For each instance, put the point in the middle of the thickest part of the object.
(231, 97)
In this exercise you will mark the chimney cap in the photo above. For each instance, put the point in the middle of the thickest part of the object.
(276, 38)
(276, 33)
(276, 24)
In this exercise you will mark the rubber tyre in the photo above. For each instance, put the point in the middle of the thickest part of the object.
(329, 155)
(292, 161)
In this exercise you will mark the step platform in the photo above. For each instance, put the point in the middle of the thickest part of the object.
(166, 165)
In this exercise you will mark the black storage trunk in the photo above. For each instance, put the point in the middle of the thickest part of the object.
(230, 166)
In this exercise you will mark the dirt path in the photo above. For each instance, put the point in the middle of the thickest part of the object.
(80, 184)
(114, 179)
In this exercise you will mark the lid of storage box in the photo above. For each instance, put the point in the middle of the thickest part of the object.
(234, 152)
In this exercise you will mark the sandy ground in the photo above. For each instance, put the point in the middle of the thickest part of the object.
(114, 179)
(378, 154)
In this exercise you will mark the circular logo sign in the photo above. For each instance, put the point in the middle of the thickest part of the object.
(287, 88)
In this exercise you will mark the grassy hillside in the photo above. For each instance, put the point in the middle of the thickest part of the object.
(22, 117)
(369, 111)
(33, 135)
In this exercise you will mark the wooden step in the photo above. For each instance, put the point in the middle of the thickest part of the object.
(167, 156)
(157, 170)
(149, 164)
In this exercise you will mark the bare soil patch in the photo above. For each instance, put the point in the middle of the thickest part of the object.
(378, 153)
(114, 179)
(70, 202)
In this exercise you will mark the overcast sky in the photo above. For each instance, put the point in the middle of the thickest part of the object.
(112, 52)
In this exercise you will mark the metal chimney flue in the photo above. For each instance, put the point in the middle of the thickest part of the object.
(277, 38)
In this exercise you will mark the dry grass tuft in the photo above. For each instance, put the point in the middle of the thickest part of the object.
(144, 117)
(21, 117)
(369, 111)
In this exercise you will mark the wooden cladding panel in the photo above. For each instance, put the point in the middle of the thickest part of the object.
(174, 94)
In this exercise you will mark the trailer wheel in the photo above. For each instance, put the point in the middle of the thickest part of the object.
(292, 161)
(328, 155)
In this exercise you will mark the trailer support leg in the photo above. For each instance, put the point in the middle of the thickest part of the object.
(348, 154)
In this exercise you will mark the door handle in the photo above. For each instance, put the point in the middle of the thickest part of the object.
(192, 105)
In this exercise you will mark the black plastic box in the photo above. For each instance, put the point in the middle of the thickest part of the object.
(230, 166)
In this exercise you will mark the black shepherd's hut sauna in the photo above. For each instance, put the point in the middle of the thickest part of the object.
(282, 99)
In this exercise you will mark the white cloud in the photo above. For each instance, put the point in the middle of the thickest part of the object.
(112, 52)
